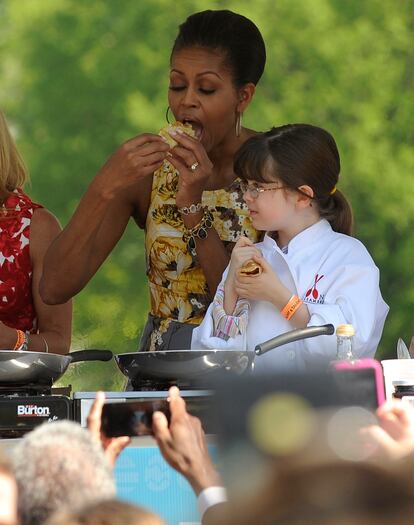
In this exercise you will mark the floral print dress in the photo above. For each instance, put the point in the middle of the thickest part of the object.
(16, 301)
(178, 287)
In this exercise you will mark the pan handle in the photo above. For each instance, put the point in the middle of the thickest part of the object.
(90, 355)
(293, 335)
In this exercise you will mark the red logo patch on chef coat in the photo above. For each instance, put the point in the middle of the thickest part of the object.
(313, 295)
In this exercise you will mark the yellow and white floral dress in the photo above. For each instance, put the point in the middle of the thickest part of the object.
(178, 287)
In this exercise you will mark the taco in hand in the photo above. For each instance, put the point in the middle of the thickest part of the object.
(165, 132)
(251, 268)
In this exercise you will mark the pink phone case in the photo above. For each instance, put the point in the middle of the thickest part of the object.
(366, 363)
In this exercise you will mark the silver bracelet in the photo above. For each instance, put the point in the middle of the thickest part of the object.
(46, 345)
(193, 208)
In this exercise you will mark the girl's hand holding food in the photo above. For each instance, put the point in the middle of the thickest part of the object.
(244, 250)
(261, 285)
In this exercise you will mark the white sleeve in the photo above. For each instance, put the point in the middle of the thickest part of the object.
(209, 497)
(352, 297)
(203, 336)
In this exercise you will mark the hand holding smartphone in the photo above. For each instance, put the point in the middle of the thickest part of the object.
(131, 418)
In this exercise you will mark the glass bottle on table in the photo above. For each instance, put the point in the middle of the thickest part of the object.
(344, 342)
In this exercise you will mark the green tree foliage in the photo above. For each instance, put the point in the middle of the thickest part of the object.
(79, 78)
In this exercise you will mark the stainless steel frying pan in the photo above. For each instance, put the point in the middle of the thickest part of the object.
(194, 365)
(20, 368)
(182, 365)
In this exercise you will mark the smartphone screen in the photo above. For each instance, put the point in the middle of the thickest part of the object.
(131, 418)
(360, 382)
(358, 387)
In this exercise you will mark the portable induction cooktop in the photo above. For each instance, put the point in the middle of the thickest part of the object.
(24, 408)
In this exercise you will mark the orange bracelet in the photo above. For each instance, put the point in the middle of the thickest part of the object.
(20, 339)
(291, 307)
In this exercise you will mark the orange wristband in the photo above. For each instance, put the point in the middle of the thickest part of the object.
(20, 339)
(291, 307)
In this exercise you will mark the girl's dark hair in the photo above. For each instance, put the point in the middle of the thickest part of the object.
(233, 34)
(298, 155)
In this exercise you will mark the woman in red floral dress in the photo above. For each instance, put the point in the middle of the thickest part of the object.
(26, 230)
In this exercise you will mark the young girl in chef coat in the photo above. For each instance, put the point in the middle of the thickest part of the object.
(313, 271)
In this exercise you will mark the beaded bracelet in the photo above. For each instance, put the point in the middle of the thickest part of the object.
(193, 208)
(291, 307)
(199, 231)
(21, 337)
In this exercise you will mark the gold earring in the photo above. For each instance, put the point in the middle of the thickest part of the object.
(238, 124)
(166, 115)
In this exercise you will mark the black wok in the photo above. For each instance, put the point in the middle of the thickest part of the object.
(21, 368)
(199, 366)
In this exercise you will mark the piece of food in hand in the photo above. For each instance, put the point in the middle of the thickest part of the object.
(165, 132)
(251, 268)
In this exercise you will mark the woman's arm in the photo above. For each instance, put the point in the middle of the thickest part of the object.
(211, 252)
(79, 250)
(212, 255)
(120, 189)
(54, 322)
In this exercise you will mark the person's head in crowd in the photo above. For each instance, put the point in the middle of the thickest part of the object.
(13, 173)
(59, 465)
(8, 492)
(332, 493)
(304, 161)
(230, 51)
(108, 512)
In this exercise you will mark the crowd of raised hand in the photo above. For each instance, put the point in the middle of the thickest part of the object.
(61, 474)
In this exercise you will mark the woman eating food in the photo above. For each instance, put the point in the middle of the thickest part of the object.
(180, 186)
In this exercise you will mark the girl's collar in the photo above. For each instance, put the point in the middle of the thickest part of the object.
(302, 239)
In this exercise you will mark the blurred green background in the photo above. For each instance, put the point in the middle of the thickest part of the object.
(80, 77)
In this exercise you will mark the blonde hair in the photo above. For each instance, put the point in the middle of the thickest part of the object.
(13, 172)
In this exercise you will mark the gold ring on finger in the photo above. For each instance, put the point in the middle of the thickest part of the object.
(194, 166)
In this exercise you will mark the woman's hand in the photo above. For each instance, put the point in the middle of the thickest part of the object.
(132, 161)
(263, 287)
(191, 183)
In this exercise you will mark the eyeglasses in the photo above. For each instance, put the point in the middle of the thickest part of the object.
(255, 191)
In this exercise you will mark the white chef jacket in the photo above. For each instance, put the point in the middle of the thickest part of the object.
(335, 277)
